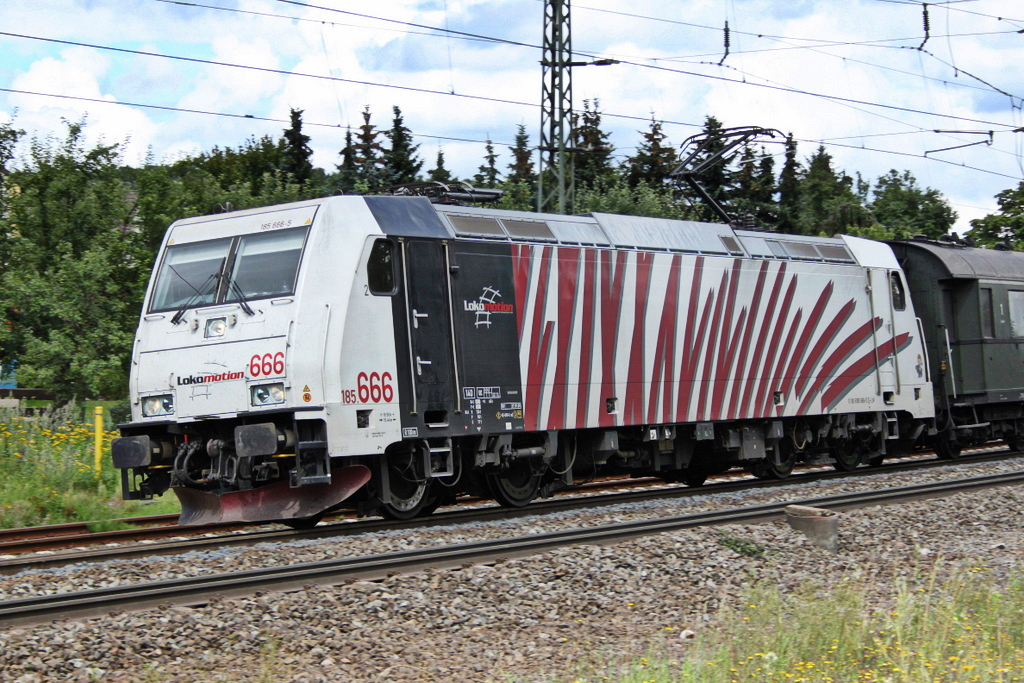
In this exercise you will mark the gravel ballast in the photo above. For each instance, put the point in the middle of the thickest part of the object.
(540, 618)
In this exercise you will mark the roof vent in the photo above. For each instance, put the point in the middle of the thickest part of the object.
(476, 225)
(530, 230)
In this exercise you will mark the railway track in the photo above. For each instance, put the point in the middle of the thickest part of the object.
(167, 539)
(200, 590)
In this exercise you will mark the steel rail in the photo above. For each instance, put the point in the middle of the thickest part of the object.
(352, 527)
(76, 529)
(200, 590)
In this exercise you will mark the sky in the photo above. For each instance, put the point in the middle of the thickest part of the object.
(862, 77)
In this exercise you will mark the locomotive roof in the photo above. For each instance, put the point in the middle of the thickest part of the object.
(964, 262)
(417, 217)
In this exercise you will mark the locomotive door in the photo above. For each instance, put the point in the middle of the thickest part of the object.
(430, 345)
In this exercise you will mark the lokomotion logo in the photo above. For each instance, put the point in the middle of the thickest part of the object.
(206, 379)
(485, 305)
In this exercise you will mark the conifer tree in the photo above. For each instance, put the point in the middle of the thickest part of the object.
(369, 155)
(655, 159)
(400, 159)
(716, 179)
(487, 175)
(348, 174)
(754, 188)
(789, 189)
(522, 160)
(439, 173)
(295, 159)
(827, 202)
(593, 160)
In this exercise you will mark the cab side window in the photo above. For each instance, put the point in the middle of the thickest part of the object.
(380, 268)
(899, 296)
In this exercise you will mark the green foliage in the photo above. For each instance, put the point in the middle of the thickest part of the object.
(439, 173)
(964, 626)
(519, 196)
(654, 160)
(369, 155)
(487, 175)
(522, 160)
(753, 189)
(743, 546)
(1006, 225)
(789, 189)
(250, 164)
(827, 203)
(594, 164)
(641, 199)
(48, 462)
(400, 158)
(906, 209)
(9, 136)
(295, 157)
(80, 233)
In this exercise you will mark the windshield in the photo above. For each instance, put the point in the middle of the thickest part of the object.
(265, 264)
(189, 271)
(261, 265)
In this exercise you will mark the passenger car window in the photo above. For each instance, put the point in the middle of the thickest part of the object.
(988, 325)
(899, 296)
(1016, 300)
(380, 268)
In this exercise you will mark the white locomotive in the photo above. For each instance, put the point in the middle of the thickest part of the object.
(399, 352)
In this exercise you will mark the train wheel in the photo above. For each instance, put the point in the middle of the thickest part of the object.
(410, 493)
(516, 485)
(1014, 441)
(767, 469)
(947, 449)
(846, 457)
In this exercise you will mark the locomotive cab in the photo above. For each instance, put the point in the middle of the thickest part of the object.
(236, 369)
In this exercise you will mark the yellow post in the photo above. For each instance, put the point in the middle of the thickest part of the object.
(97, 414)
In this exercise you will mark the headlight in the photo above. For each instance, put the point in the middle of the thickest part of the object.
(154, 406)
(267, 394)
(216, 327)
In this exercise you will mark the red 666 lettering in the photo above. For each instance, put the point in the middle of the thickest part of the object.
(266, 365)
(370, 388)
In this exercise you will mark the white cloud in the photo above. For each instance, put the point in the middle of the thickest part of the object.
(769, 40)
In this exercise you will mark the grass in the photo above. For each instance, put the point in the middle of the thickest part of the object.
(48, 473)
(966, 627)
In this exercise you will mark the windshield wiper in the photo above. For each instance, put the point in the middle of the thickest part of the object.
(237, 291)
(180, 314)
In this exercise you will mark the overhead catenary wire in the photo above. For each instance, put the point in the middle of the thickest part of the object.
(479, 37)
(827, 141)
(230, 115)
(439, 31)
(484, 98)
